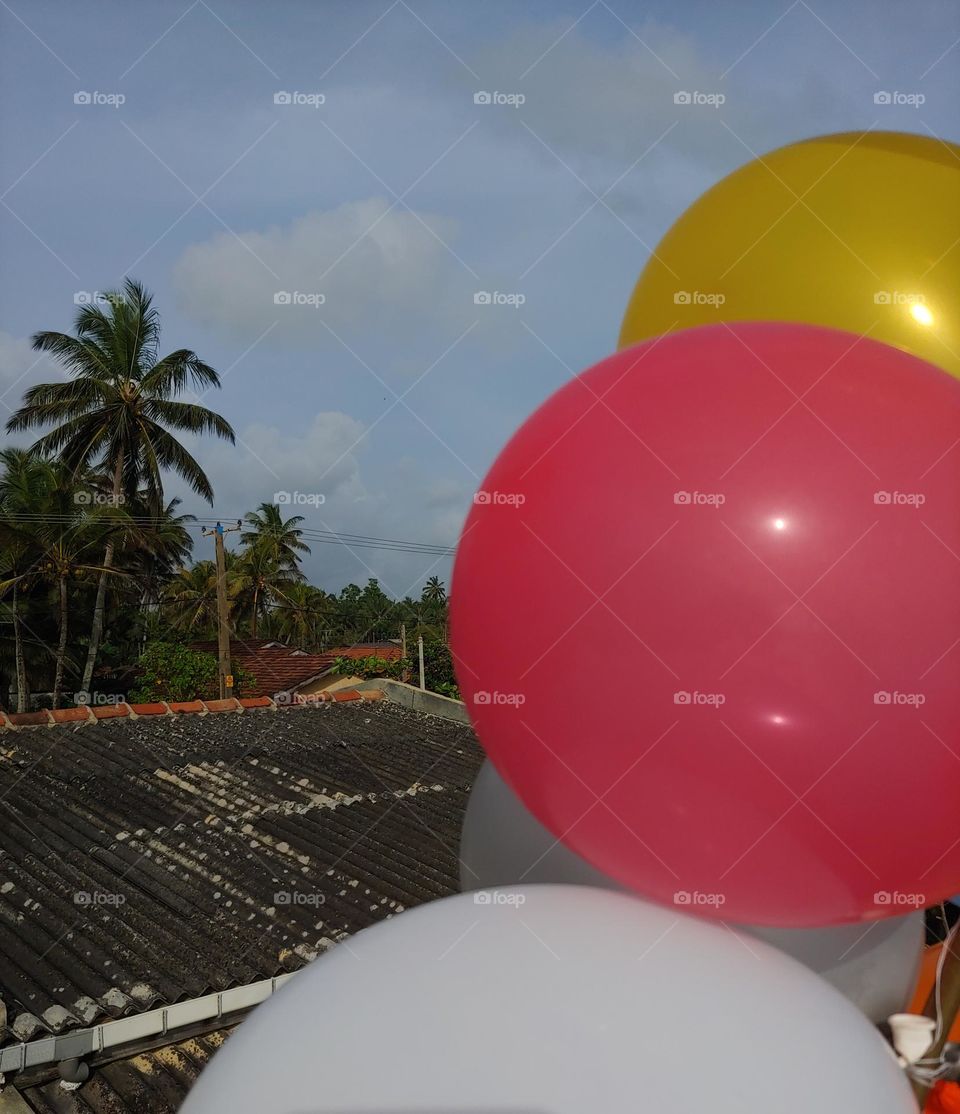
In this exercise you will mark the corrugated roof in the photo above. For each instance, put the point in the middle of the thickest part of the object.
(156, 1082)
(149, 860)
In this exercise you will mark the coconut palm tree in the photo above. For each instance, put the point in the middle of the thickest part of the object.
(163, 546)
(22, 483)
(280, 539)
(71, 535)
(301, 616)
(434, 591)
(260, 579)
(117, 409)
(190, 598)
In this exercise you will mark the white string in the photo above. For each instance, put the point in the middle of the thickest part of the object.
(930, 1070)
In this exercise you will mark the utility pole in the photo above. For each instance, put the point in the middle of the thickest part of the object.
(423, 683)
(223, 621)
(403, 640)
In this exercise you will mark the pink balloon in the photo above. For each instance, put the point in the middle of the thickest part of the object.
(706, 619)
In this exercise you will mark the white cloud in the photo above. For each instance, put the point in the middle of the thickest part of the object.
(20, 368)
(326, 459)
(322, 461)
(359, 265)
(610, 100)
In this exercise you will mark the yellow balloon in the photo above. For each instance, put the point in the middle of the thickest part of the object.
(859, 231)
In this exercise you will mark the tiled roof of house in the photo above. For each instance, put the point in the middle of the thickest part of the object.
(278, 668)
(146, 860)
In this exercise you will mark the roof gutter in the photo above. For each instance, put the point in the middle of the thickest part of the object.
(162, 1022)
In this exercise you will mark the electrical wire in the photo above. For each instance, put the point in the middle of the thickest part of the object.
(328, 537)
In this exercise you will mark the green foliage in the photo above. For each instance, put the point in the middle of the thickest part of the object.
(438, 669)
(371, 666)
(171, 672)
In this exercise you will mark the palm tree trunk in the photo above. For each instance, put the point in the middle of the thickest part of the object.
(256, 605)
(18, 653)
(96, 627)
(62, 644)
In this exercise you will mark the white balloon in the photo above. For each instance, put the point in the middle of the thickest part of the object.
(875, 965)
(554, 1000)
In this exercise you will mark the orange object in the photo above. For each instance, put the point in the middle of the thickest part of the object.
(925, 980)
(944, 1099)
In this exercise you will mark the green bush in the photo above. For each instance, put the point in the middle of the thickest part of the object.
(371, 666)
(172, 672)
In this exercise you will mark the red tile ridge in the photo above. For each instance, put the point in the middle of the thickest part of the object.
(93, 713)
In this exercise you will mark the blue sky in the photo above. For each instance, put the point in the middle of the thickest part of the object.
(384, 209)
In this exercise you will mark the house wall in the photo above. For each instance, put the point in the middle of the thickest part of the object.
(419, 700)
(329, 682)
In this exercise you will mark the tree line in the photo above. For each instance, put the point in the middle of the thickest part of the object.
(95, 562)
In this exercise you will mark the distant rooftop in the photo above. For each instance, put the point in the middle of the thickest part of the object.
(278, 667)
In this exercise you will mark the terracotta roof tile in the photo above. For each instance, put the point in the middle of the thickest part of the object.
(278, 668)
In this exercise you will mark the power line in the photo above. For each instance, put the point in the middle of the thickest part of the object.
(329, 537)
